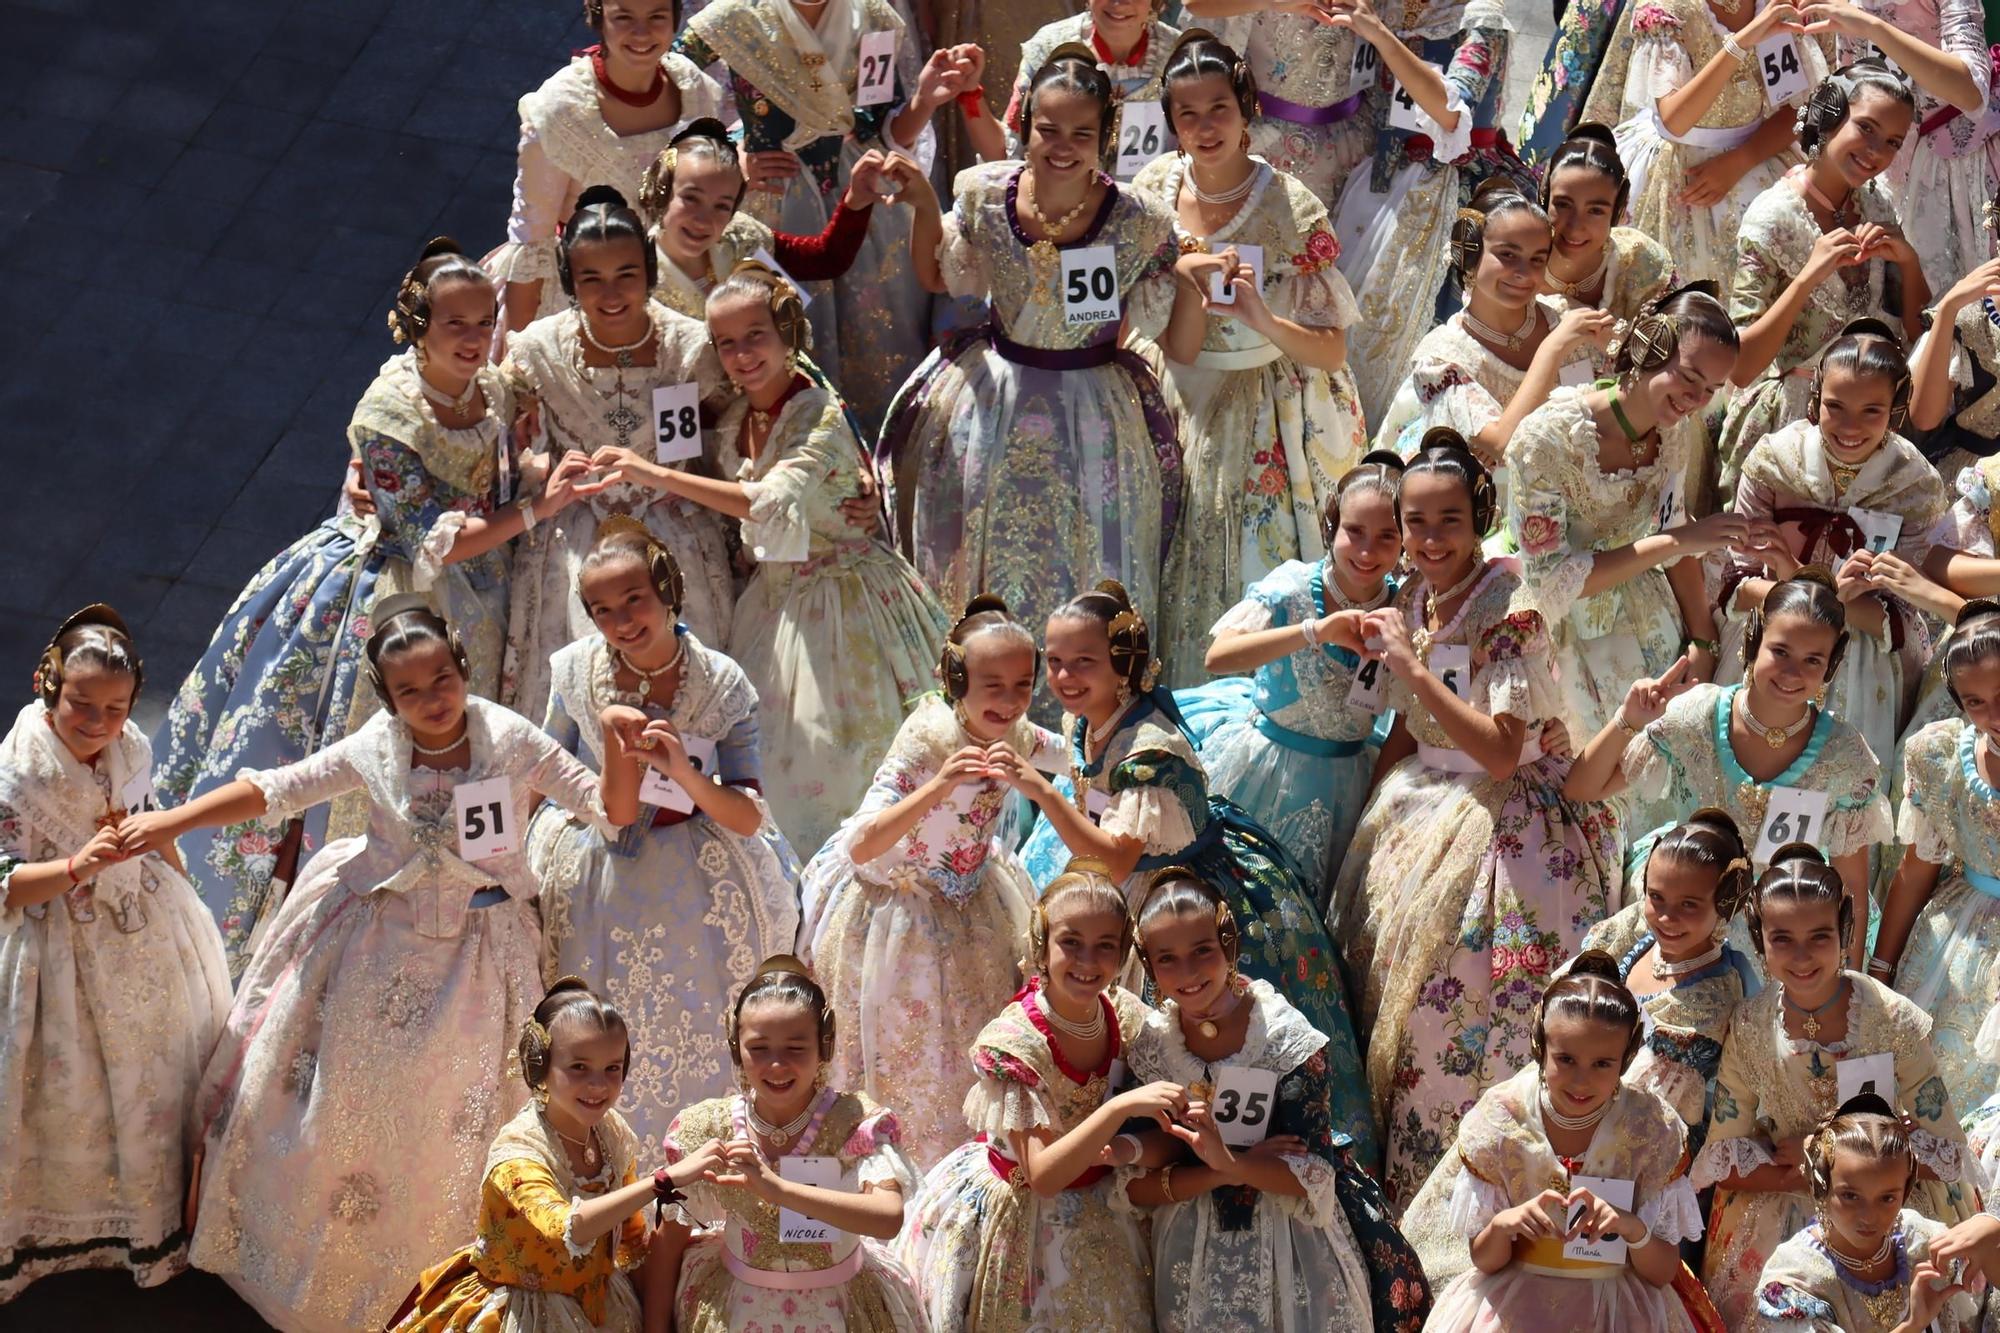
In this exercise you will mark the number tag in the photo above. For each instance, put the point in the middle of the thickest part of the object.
(1142, 136)
(657, 789)
(1579, 372)
(763, 256)
(1249, 255)
(1880, 530)
(1866, 1073)
(824, 1172)
(1090, 285)
(1404, 112)
(1095, 803)
(1365, 70)
(137, 794)
(1370, 689)
(1605, 1249)
(1244, 1102)
(1452, 664)
(484, 814)
(1673, 509)
(1793, 815)
(875, 74)
(1778, 64)
(676, 422)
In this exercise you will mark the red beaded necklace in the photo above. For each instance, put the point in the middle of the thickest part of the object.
(647, 98)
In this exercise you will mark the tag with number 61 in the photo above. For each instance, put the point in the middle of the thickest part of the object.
(1793, 814)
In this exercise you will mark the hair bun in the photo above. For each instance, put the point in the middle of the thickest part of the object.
(1869, 326)
(981, 602)
(568, 983)
(1069, 51)
(1384, 458)
(782, 962)
(1495, 188)
(1594, 963)
(701, 127)
(1115, 590)
(1865, 1103)
(1444, 437)
(1710, 816)
(1595, 131)
(600, 194)
(1974, 609)
(439, 245)
(1819, 574)
(1797, 851)
(1188, 37)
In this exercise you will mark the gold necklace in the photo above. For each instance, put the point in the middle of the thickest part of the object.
(1843, 475)
(1420, 641)
(1043, 256)
(1775, 737)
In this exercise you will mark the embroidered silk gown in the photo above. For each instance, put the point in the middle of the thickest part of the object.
(1314, 120)
(1803, 1286)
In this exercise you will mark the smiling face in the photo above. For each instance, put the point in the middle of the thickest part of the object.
(586, 1072)
(626, 609)
(1581, 204)
(427, 689)
(1208, 119)
(779, 1042)
(1366, 541)
(746, 338)
(1689, 380)
(1802, 948)
(1065, 137)
(1978, 686)
(1189, 965)
(1791, 665)
(1867, 141)
(1582, 1061)
(609, 276)
(1863, 1200)
(1119, 22)
(1078, 653)
(1000, 684)
(1438, 535)
(1513, 259)
(706, 192)
(1086, 952)
(1680, 906)
(459, 335)
(91, 708)
(636, 33)
(1854, 413)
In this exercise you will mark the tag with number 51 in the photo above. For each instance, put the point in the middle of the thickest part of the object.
(483, 813)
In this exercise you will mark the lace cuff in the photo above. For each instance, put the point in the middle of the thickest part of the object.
(1963, 527)
(1722, 1158)
(576, 1251)
(1675, 1215)
(1246, 617)
(1645, 768)
(1151, 814)
(1862, 827)
(1321, 1203)
(1473, 1204)
(1945, 1157)
(1915, 830)
(1000, 1107)
(1321, 297)
(436, 549)
(776, 530)
(1447, 146)
(1118, 1192)
(888, 1166)
(523, 261)
(1555, 582)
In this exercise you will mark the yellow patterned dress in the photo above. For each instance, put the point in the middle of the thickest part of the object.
(740, 1275)
(1774, 1087)
(991, 1255)
(524, 1273)
(1264, 438)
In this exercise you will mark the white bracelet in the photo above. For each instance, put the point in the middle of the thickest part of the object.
(1309, 630)
(1137, 1147)
(527, 508)
(1645, 1239)
(1733, 50)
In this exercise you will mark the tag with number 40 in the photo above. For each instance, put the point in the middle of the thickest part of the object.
(1794, 814)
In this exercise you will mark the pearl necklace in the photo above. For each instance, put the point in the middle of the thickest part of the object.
(1228, 196)
(1575, 290)
(646, 678)
(1665, 971)
(1588, 1120)
(1421, 639)
(429, 753)
(1510, 341)
(1340, 598)
(1775, 737)
(1087, 1031)
(458, 406)
(779, 1135)
(1852, 1264)
(621, 355)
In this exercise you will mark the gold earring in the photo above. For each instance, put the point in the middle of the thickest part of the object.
(1819, 697)
(819, 1079)
(1124, 693)
(1246, 141)
(542, 1097)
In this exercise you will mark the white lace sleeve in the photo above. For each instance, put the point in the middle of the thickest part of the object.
(1866, 825)
(1321, 1204)
(1474, 1203)
(1120, 1197)
(888, 1165)
(1915, 830)
(1659, 66)
(1248, 616)
(1675, 1215)
(435, 549)
(1447, 145)
(564, 779)
(295, 787)
(1945, 1157)
(1153, 815)
(999, 1107)
(958, 260)
(1645, 764)
(1722, 1158)
(1964, 526)
(577, 1250)
(540, 190)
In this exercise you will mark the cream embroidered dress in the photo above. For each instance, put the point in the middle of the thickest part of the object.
(834, 629)
(566, 148)
(1564, 509)
(915, 947)
(1263, 438)
(1670, 40)
(742, 1275)
(1137, 80)
(1773, 246)
(1773, 1087)
(113, 993)
(988, 1253)
(1461, 893)
(1312, 122)
(1033, 457)
(1638, 270)
(1803, 1287)
(1502, 1159)
(367, 1060)
(667, 919)
(588, 408)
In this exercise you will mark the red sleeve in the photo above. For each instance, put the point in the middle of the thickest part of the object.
(827, 255)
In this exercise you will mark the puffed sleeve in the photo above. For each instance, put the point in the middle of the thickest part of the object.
(317, 778)
(965, 275)
(540, 190)
(1151, 795)
(777, 529)
(1313, 292)
(1474, 1203)
(1149, 297)
(1659, 63)
(1737, 1143)
(1965, 526)
(1938, 1142)
(1006, 1097)
(560, 776)
(1674, 1214)
(1481, 53)
(1926, 824)
(876, 1149)
(1515, 677)
(1553, 570)
(1649, 764)
(1858, 817)
(1446, 394)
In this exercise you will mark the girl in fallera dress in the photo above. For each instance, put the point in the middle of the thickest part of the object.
(1955, 370)
(562, 1204)
(434, 439)
(835, 629)
(115, 987)
(916, 908)
(1818, 249)
(1136, 798)
(1470, 876)
(364, 1061)
(1267, 1223)
(799, 1190)
(1259, 386)
(1684, 745)
(1567, 1150)
(1866, 1263)
(1132, 47)
(1022, 1228)
(1289, 743)
(1782, 1073)
(1595, 261)
(593, 370)
(669, 917)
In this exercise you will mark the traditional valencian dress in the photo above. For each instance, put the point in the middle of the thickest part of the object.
(1032, 457)
(1240, 1258)
(523, 1273)
(587, 408)
(794, 84)
(988, 1253)
(114, 992)
(834, 628)
(1136, 79)
(743, 1275)
(1772, 247)
(1503, 1159)
(1314, 120)
(1290, 742)
(1146, 783)
(1788, 478)
(1461, 893)
(1264, 438)
(1970, 433)
(1803, 1286)
(1562, 510)
(1638, 270)
(366, 1058)
(565, 148)
(1394, 219)
(670, 917)
(915, 947)
(278, 679)
(1774, 1087)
